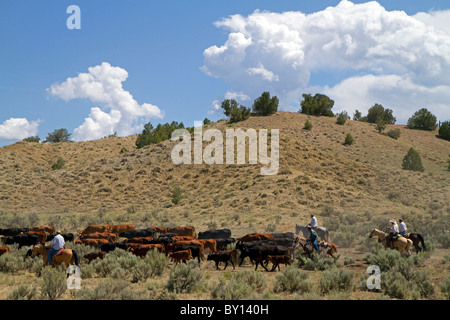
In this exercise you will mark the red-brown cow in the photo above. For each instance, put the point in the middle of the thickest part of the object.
(141, 240)
(210, 244)
(182, 231)
(277, 260)
(94, 255)
(48, 229)
(97, 228)
(4, 250)
(141, 250)
(181, 256)
(111, 237)
(122, 228)
(254, 237)
(92, 242)
(158, 229)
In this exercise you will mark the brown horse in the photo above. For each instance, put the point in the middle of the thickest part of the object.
(416, 239)
(400, 244)
(68, 256)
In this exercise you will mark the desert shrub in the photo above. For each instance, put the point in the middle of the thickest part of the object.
(23, 292)
(177, 195)
(336, 280)
(314, 262)
(184, 278)
(344, 239)
(445, 288)
(12, 262)
(404, 282)
(254, 279)
(234, 289)
(394, 133)
(292, 280)
(412, 161)
(111, 290)
(349, 140)
(53, 283)
(59, 164)
(380, 124)
(152, 265)
(342, 118)
(32, 139)
(385, 259)
(422, 120)
(308, 125)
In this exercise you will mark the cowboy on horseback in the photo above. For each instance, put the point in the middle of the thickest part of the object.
(402, 227)
(313, 238)
(313, 222)
(393, 234)
(56, 245)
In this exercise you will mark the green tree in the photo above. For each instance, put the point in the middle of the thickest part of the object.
(235, 111)
(59, 135)
(378, 111)
(319, 105)
(380, 124)
(412, 161)
(422, 120)
(206, 121)
(342, 117)
(177, 195)
(357, 115)
(444, 130)
(265, 105)
(152, 135)
(349, 140)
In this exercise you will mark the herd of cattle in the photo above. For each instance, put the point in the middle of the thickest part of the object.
(180, 244)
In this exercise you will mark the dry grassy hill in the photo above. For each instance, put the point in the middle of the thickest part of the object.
(113, 180)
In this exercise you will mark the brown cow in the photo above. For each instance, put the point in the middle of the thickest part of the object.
(254, 237)
(182, 231)
(182, 238)
(122, 228)
(278, 259)
(92, 242)
(141, 240)
(111, 237)
(158, 229)
(4, 250)
(41, 235)
(181, 256)
(210, 244)
(48, 229)
(97, 228)
(94, 255)
(141, 250)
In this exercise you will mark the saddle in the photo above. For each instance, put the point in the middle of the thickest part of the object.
(60, 251)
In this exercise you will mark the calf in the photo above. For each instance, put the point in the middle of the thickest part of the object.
(222, 256)
(108, 247)
(181, 256)
(277, 260)
(259, 253)
(94, 255)
(4, 250)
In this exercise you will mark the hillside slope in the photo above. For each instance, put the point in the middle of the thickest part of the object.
(114, 180)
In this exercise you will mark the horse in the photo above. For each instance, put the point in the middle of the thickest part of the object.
(324, 247)
(68, 256)
(401, 243)
(416, 238)
(321, 232)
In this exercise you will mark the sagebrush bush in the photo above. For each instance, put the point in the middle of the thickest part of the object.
(184, 278)
(445, 288)
(53, 283)
(314, 262)
(254, 279)
(336, 280)
(349, 140)
(385, 259)
(111, 290)
(412, 161)
(293, 280)
(308, 125)
(23, 292)
(234, 289)
(394, 133)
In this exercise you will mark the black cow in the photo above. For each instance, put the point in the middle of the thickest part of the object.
(223, 243)
(108, 247)
(215, 234)
(259, 253)
(222, 256)
(9, 232)
(68, 237)
(137, 233)
(23, 240)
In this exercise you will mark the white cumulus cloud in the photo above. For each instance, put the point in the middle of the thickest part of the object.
(18, 129)
(360, 45)
(103, 85)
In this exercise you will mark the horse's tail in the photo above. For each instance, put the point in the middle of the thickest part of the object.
(75, 256)
(422, 241)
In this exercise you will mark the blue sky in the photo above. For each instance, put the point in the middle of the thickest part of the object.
(176, 60)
